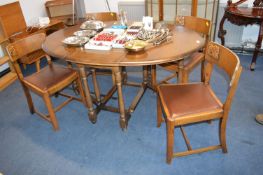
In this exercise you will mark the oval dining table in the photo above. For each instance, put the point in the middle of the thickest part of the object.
(183, 42)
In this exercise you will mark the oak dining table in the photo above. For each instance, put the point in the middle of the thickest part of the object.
(183, 42)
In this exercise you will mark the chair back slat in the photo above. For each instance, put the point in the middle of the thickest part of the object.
(25, 46)
(228, 61)
(200, 25)
(103, 16)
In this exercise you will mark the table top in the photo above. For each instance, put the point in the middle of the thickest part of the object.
(248, 12)
(184, 42)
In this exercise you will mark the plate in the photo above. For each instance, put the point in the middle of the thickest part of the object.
(135, 45)
(75, 41)
(85, 33)
(92, 25)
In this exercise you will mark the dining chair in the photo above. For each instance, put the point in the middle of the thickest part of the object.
(102, 16)
(184, 104)
(199, 25)
(47, 82)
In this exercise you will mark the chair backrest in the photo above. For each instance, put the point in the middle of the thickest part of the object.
(200, 25)
(23, 47)
(228, 61)
(103, 16)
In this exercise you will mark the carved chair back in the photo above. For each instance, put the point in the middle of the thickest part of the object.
(228, 61)
(200, 25)
(23, 47)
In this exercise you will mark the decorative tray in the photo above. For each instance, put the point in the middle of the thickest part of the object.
(75, 41)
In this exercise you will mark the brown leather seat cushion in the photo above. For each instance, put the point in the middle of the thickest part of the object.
(186, 99)
(49, 76)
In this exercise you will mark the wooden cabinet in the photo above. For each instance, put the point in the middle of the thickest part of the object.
(11, 21)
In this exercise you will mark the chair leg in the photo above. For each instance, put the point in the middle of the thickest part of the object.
(38, 65)
(185, 77)
(159, 113)
(153, 77)
(202, 71)
(222, 135)
(170, 142)
(29, 100)
(124, 75)
(51, 112)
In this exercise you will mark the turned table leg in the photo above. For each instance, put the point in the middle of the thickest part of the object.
(180, 71)
(92, 113)
(222, 32)
(257, 48)
(118, 80)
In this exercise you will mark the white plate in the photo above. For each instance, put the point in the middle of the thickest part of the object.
(75, 41)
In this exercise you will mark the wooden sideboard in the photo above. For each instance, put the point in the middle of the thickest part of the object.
(244, 16)
(59, 9)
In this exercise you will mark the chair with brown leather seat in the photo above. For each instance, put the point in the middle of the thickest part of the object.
(48, 81)
(199, 25)
(184, 104)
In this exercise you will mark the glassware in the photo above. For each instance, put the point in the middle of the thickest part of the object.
(123, 18)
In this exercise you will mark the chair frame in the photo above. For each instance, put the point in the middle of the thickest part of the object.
(31, 44)
(228, 61)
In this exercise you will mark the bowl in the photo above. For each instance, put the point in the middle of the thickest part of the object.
(85, 33)
(75, 41)
(92, 25)
(135, 45)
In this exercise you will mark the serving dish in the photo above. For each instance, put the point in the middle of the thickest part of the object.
(75, 41)
(85, 33)
(135, 45)
(92, 25)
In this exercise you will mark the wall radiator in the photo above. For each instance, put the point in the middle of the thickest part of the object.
(135, 9)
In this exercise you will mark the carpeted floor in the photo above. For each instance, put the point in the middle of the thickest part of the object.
(29, 146)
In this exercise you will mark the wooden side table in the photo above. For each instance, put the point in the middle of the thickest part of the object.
(244, 16)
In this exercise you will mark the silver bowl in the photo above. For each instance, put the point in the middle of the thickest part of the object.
(92, 25)
(75, 41)
(85, 33)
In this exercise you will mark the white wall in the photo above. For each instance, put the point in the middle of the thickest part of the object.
(101, 6)
(32, 9)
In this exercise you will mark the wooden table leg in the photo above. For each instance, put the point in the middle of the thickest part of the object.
(92, 113)
(96, 85)
(118, 80)
(180, 71)
(257, 48)
(153, 77)
(222, 32)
